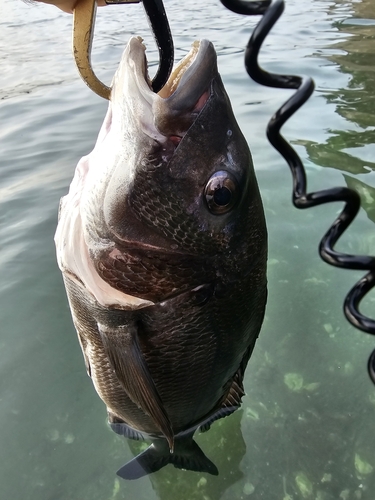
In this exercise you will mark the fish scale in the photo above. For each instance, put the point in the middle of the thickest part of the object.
(153, 276)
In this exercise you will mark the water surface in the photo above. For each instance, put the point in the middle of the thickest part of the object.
(307, 427)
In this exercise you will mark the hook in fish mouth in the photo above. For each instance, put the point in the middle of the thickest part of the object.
(172, 110)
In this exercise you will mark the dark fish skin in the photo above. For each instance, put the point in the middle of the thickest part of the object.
(175, 363)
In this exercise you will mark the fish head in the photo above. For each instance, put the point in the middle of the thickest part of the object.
(178, 169)
(171, 172)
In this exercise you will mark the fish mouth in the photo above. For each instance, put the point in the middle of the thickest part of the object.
(189, 72)
(175, 107)
(187, 86)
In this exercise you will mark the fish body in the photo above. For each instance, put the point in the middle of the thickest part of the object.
(162, 245)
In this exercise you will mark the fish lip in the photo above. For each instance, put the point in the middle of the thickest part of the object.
(201, 60)
(184, 85)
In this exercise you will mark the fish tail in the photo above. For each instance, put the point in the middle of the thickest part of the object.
(187, 455)
(150, 460)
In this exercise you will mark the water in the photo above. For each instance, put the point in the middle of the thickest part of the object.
(306, 430)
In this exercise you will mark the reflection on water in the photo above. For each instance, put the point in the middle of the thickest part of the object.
(352, 149)
(307, 429)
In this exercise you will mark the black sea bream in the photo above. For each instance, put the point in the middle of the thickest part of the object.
(163, 246)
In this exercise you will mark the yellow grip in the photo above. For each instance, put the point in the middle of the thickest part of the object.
(83, 33)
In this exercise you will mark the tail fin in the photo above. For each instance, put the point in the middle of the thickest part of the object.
(187, 455)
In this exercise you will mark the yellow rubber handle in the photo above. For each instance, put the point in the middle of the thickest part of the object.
(83, 33)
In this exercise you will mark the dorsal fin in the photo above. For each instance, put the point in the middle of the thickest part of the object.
(236, 391)
(122, 348)
(220, 413)
(233, 397)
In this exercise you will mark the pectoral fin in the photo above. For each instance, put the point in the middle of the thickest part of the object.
(122, 348)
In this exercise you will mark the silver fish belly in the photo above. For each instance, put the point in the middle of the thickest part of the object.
(162, 245)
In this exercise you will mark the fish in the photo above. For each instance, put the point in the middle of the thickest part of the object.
(162, 244)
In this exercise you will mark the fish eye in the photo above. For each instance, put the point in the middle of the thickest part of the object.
(221, 192)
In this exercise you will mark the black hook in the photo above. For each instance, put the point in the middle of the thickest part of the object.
(160, 27)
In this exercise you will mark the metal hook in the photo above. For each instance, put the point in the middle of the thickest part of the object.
(83, 33)
(163, 37)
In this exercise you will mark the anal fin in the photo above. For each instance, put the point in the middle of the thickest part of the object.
(123, 429)
(126, 431)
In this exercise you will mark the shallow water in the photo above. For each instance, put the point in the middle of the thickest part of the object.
(307, 428)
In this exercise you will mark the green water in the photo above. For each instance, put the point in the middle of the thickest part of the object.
(307, 427)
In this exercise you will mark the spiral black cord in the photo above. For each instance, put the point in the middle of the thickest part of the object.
(302, 199)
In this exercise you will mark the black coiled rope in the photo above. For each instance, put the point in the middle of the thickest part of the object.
(302, 199)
